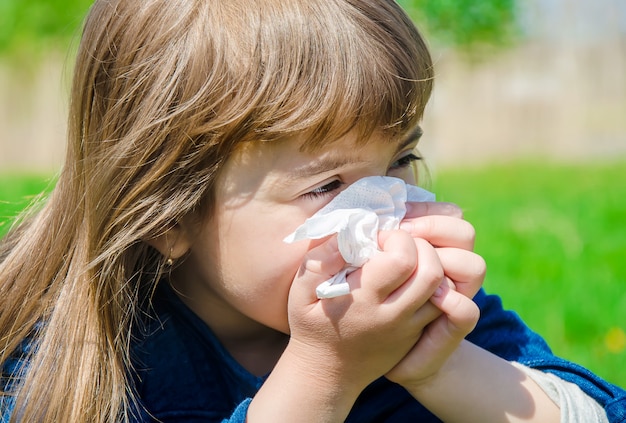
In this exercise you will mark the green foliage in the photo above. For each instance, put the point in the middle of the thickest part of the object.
(465, 24)
(27, 24)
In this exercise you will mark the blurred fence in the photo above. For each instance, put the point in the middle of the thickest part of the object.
(33, 113)
(560, 101)
(560, 94)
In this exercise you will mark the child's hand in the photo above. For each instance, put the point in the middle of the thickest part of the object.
(357, 338)
(441, 224)
(439, 340)
(432, 208)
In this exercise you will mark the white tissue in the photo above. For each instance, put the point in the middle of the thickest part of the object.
(356, 215)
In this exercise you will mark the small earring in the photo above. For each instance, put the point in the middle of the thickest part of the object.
(170, 261)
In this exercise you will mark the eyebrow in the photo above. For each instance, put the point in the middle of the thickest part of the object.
(333, 163)
(414, 135)
(321, 166)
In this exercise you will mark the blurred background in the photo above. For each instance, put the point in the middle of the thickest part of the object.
(526, 130)
(550, 81)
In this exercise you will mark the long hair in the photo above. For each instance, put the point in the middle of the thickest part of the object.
(163, 92)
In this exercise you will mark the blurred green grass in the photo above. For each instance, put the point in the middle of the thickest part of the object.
(17, 192)
(553, 236)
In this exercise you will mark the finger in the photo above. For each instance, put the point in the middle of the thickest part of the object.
(441, 337)
(461, 313)
(428, 208)
(319, 264)
(441, 231)
(428, 275)
(465, 268)
(389, 268)
(324, 260)
(426, 315)
(429, 312)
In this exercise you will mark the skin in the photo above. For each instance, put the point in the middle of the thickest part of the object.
(257, 208)
(257, 293)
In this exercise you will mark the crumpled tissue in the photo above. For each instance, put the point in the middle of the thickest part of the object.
(356, 215)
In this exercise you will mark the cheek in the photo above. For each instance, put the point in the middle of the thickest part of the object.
(253, 252)
(265, 256)
(257, 278)
(254, 266)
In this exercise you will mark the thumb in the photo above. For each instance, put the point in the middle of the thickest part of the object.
(461, 313)
(319, 264)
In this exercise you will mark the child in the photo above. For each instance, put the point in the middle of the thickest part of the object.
(154, 284)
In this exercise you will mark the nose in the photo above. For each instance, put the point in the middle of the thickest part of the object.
(409, 174)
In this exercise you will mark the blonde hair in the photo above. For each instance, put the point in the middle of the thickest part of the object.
(164, 91)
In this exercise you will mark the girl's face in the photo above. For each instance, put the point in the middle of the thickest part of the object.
(239, 271)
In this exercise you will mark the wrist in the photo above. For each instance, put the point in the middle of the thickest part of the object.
(306, 386)
(443, 375)
(323, 368)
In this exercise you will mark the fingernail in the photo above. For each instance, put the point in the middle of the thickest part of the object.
(438, 292)
(406, 226)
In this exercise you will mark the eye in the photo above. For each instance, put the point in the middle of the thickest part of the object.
(405, 161)
(324, 190)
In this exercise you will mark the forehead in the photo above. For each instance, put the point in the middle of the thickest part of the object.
(312, 142)
(296, 156)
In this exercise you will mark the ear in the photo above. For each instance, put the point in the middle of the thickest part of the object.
(173, 244)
